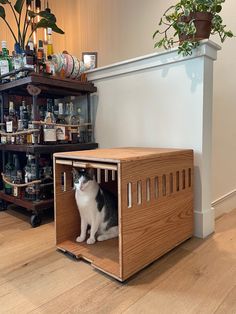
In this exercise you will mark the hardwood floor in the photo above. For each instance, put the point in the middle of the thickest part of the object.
(197, 277)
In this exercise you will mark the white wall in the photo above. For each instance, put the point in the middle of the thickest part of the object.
(162, 100)
(124, 30)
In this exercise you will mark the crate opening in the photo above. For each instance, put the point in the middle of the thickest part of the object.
(103, 254)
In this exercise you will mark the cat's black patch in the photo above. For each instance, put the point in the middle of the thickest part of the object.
(111, 209)
(109, 200)
(100, 200)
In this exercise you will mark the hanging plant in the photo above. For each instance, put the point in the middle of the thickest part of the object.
(188, 22)
(23, 34)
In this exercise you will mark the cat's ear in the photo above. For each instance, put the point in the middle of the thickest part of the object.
(75, 172)
(90, 172)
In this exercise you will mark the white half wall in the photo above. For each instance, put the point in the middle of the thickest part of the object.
(162, 100)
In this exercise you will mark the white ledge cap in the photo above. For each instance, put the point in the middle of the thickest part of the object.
(207, 48)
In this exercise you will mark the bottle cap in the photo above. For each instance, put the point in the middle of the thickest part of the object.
(49, 31)
(4, 44)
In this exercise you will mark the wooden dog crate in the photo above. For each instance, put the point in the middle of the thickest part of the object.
(155, 205)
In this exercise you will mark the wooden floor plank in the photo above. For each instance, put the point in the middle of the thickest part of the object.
(197, 277)
(228, 306)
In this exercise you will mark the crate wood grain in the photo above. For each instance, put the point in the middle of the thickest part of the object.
(155, 205)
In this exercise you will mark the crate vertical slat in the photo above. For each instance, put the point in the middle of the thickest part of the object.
(154, 188)
(67, 218)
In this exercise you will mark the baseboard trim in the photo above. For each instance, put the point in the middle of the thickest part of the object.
(204, 223)
(225, 203)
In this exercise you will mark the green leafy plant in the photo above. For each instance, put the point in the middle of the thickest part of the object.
(24, 18)
(178, 24)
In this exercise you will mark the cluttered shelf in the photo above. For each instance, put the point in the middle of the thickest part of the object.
(49, 85)
(28, 204)
(33, 149)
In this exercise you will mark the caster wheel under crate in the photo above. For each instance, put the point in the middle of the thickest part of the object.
(35, 220)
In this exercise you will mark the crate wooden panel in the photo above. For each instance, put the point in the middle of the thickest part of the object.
(155, 205)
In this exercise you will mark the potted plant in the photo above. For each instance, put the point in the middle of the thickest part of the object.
(190, 21)
(25, 20)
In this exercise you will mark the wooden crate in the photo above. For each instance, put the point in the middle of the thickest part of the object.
(155, 205)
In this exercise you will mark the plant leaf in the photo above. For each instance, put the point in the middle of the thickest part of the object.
(56, 29)
(19, 5)
(43, 23)
(3, 1)
(2, 12)
(32, 14)
(48, 16)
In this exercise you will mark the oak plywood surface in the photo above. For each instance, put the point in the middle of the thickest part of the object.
(120, 154)
(155, 204)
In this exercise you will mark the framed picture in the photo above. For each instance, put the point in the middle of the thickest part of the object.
(89, 59)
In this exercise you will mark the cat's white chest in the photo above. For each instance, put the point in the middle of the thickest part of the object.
(87, 206)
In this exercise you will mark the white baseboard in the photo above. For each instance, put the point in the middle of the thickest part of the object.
(204, 223)
(225, 204)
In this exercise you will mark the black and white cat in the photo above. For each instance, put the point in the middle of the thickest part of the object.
(98, 208)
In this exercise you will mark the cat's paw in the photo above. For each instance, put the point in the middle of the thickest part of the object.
(91, 241)
(101, 237)
(80, 239)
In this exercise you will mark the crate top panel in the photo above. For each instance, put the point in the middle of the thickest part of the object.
(50, 86)
(122, 154)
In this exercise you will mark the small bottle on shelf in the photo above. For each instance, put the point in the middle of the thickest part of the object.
(74, 121)
(49, 42)
(40, 58)
(50, 136)
(9, 167)
(5, 62)
(11, 119)
(61, 130)
(18, 61)
(25, 116)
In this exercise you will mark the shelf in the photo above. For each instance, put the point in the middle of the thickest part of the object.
(47, 149)
(29, 205)
(50, 86)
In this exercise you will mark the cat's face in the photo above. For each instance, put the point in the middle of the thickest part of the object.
(82, 178)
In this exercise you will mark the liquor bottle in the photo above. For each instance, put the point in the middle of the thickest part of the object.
(50, 127)
(61, 130)
(49, 42)
(40, 58)
(30, 169)
(18, 60)
(29, 57)
(11, 119)
(25, 116)
(5, 62)
(8, 173)
(29, 137)
(14, 171)
(31, 174)
(73, 119)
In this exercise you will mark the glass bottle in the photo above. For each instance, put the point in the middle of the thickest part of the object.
(25, 116)
(73, 119)
(50, 127)
(5, 62)
(29, 137)
(11, 119)
(40, 58)
(61, 130)
(49, 44)
(9, 167)
(29, 57)
(18, 60)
